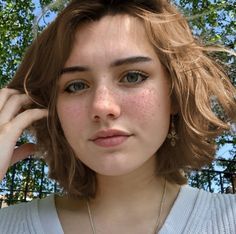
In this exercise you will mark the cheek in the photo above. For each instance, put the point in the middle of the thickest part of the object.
(71, 115)
(150, 105)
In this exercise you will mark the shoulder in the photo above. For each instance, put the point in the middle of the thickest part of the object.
(20, 210)
(212, 212)
(196, 211)
(219, 204)
(222, 210)
(223, 203)
(20, 218)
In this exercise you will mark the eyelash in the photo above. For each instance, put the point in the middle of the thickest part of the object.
(143, 76)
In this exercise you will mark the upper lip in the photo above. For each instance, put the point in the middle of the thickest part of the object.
(109, 133)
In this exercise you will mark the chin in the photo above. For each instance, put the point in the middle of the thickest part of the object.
(113, 173)
(115, 170)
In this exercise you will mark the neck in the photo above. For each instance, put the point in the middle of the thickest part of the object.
(139, 185)
(134, 200)
(128, 199)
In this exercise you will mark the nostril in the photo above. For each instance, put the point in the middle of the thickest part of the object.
(109, 116)
(112, 116)
(96, 117)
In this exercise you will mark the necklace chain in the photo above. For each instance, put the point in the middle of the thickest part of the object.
(158, 217)
(91, 218)
(161, 209)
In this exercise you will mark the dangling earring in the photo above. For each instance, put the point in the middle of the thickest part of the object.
(172, 135)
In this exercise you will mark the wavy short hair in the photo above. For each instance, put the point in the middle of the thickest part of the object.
(195, 78)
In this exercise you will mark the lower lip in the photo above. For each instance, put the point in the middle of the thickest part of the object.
(110, 141)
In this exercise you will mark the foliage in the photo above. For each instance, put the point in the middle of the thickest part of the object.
(15, 35)
(27, 180)
(19, 24)
(213, 22)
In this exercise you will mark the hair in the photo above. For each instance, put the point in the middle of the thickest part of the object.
(196, 81)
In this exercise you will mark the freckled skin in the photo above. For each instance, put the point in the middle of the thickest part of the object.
(143, 110)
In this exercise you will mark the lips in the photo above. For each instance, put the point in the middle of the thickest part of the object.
(110, 137)
(109, 133)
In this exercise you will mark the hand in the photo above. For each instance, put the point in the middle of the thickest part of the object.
(12, 124)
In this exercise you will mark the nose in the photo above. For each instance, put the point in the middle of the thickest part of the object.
(105, 105)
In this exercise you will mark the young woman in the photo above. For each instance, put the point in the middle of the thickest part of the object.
(119, 96)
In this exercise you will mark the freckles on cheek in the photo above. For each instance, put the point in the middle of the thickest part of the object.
(143, 106)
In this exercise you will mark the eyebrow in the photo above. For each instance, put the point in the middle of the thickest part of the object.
(130, 60)
(119, 62)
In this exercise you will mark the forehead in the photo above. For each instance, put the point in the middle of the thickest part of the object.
(111, 26)
(117, 36)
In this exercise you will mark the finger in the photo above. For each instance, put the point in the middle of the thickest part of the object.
(25, 119)
(12, 106)
(22, 152)
(5, 93)
(16, 126)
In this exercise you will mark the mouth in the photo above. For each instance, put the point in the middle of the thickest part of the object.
(110, 141)
(110, 138)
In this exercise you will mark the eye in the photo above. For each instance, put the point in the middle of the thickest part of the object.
(134, 77)
(76, 87)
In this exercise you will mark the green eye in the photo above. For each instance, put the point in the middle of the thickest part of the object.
(134, 77)
(76, 87)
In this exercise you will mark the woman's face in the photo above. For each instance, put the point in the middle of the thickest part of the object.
(114, 103)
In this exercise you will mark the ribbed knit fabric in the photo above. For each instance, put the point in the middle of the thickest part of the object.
(21, 219)
(194, 212)
(198, 212)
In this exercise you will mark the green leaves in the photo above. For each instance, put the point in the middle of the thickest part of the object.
(214, 22)
(19, 24)
(15, 35)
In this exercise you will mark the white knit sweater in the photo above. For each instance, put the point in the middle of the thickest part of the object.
(194, 212)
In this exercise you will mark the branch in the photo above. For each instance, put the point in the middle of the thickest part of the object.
(207, 12)
(56, 4)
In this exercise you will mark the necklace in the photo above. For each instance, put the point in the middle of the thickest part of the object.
(157, 223)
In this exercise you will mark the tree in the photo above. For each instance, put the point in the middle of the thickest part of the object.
(214, 22)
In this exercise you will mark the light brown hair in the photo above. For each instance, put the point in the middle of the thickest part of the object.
(195, 78)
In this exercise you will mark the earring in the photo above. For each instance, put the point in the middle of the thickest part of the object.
(172, 135)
